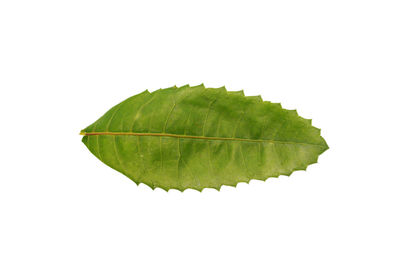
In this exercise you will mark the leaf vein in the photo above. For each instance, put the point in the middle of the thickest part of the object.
(200, 137)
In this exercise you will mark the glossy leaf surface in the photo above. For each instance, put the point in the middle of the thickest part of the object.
(197, 137)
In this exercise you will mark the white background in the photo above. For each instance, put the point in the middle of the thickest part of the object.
(64, 63)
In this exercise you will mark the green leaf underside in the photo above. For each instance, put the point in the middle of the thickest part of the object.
(197, 137)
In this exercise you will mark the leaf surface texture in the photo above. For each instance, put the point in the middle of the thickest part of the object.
(197, 137)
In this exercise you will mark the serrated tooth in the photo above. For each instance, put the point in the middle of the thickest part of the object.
(223, 88)
(240, 93)
(184, 86)
(201, 86)
(256, 99)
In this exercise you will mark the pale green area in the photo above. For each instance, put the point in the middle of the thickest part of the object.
(279, 141)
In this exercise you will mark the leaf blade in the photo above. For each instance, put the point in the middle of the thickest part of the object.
(197, 137)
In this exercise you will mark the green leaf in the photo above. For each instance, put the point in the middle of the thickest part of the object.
(197, 137)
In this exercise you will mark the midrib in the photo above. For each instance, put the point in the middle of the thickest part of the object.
(197, 137)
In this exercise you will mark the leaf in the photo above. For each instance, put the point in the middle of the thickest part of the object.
(197, 137)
